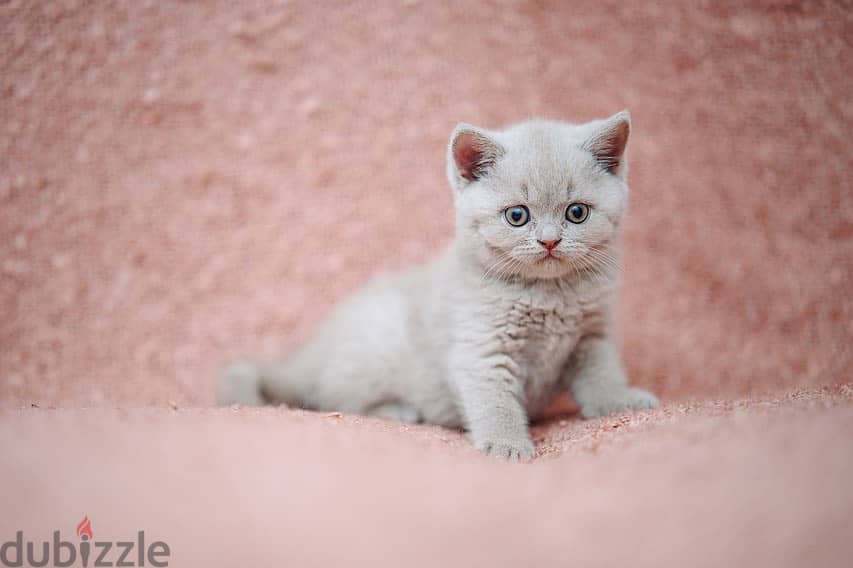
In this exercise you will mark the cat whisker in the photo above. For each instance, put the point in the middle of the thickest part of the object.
(591, 269)
(605, 259)
(498, 266)
(509, 268)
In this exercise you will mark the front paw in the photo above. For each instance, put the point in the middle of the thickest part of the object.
(606, 402)
(508, 449)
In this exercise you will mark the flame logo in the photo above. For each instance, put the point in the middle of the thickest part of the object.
(85, 528)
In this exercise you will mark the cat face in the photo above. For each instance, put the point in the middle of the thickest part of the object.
(542, 199)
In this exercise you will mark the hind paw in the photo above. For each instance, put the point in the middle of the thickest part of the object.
(396, 411)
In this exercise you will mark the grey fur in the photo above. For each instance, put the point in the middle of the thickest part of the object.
(488, 333)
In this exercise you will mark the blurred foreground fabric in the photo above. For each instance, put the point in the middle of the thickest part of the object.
(182, 183)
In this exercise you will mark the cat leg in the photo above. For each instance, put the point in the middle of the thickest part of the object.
(491, 398)
(598, 382)
(396, 410)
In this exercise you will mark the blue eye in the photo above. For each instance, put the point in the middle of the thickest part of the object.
(517, 215)
(577, 212)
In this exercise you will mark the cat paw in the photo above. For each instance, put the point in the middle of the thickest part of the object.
(616, 401)
(512, 450)
(399, 411)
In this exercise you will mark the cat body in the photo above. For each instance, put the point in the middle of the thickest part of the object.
(516, 310)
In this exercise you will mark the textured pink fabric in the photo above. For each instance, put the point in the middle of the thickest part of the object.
(186, 182)
(765, 483)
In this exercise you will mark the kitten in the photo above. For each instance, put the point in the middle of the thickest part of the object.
(517, 309)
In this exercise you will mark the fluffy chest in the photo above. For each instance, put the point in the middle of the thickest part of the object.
(539, 329)
(540, 335)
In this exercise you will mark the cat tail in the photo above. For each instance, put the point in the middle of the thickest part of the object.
(253, 384)
(241, 384)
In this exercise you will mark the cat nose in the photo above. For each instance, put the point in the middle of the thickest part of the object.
(550, 244)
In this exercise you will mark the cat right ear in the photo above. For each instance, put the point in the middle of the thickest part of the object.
(472, 153)
(608, 143)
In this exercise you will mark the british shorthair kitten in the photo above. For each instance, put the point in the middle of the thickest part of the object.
(515, 311)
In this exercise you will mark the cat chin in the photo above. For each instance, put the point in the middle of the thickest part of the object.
(532, 269)
(549, 273)
(547, 269)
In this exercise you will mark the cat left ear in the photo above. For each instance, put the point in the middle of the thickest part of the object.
(609, 141)
(472, 152)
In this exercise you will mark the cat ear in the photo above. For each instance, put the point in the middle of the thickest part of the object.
(472, 153)
(608, 143)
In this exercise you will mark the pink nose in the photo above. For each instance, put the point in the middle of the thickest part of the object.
(550, 244)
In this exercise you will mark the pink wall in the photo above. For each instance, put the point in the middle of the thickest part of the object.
(181, 183)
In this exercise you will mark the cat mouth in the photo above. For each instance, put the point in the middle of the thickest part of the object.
(547, 257)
